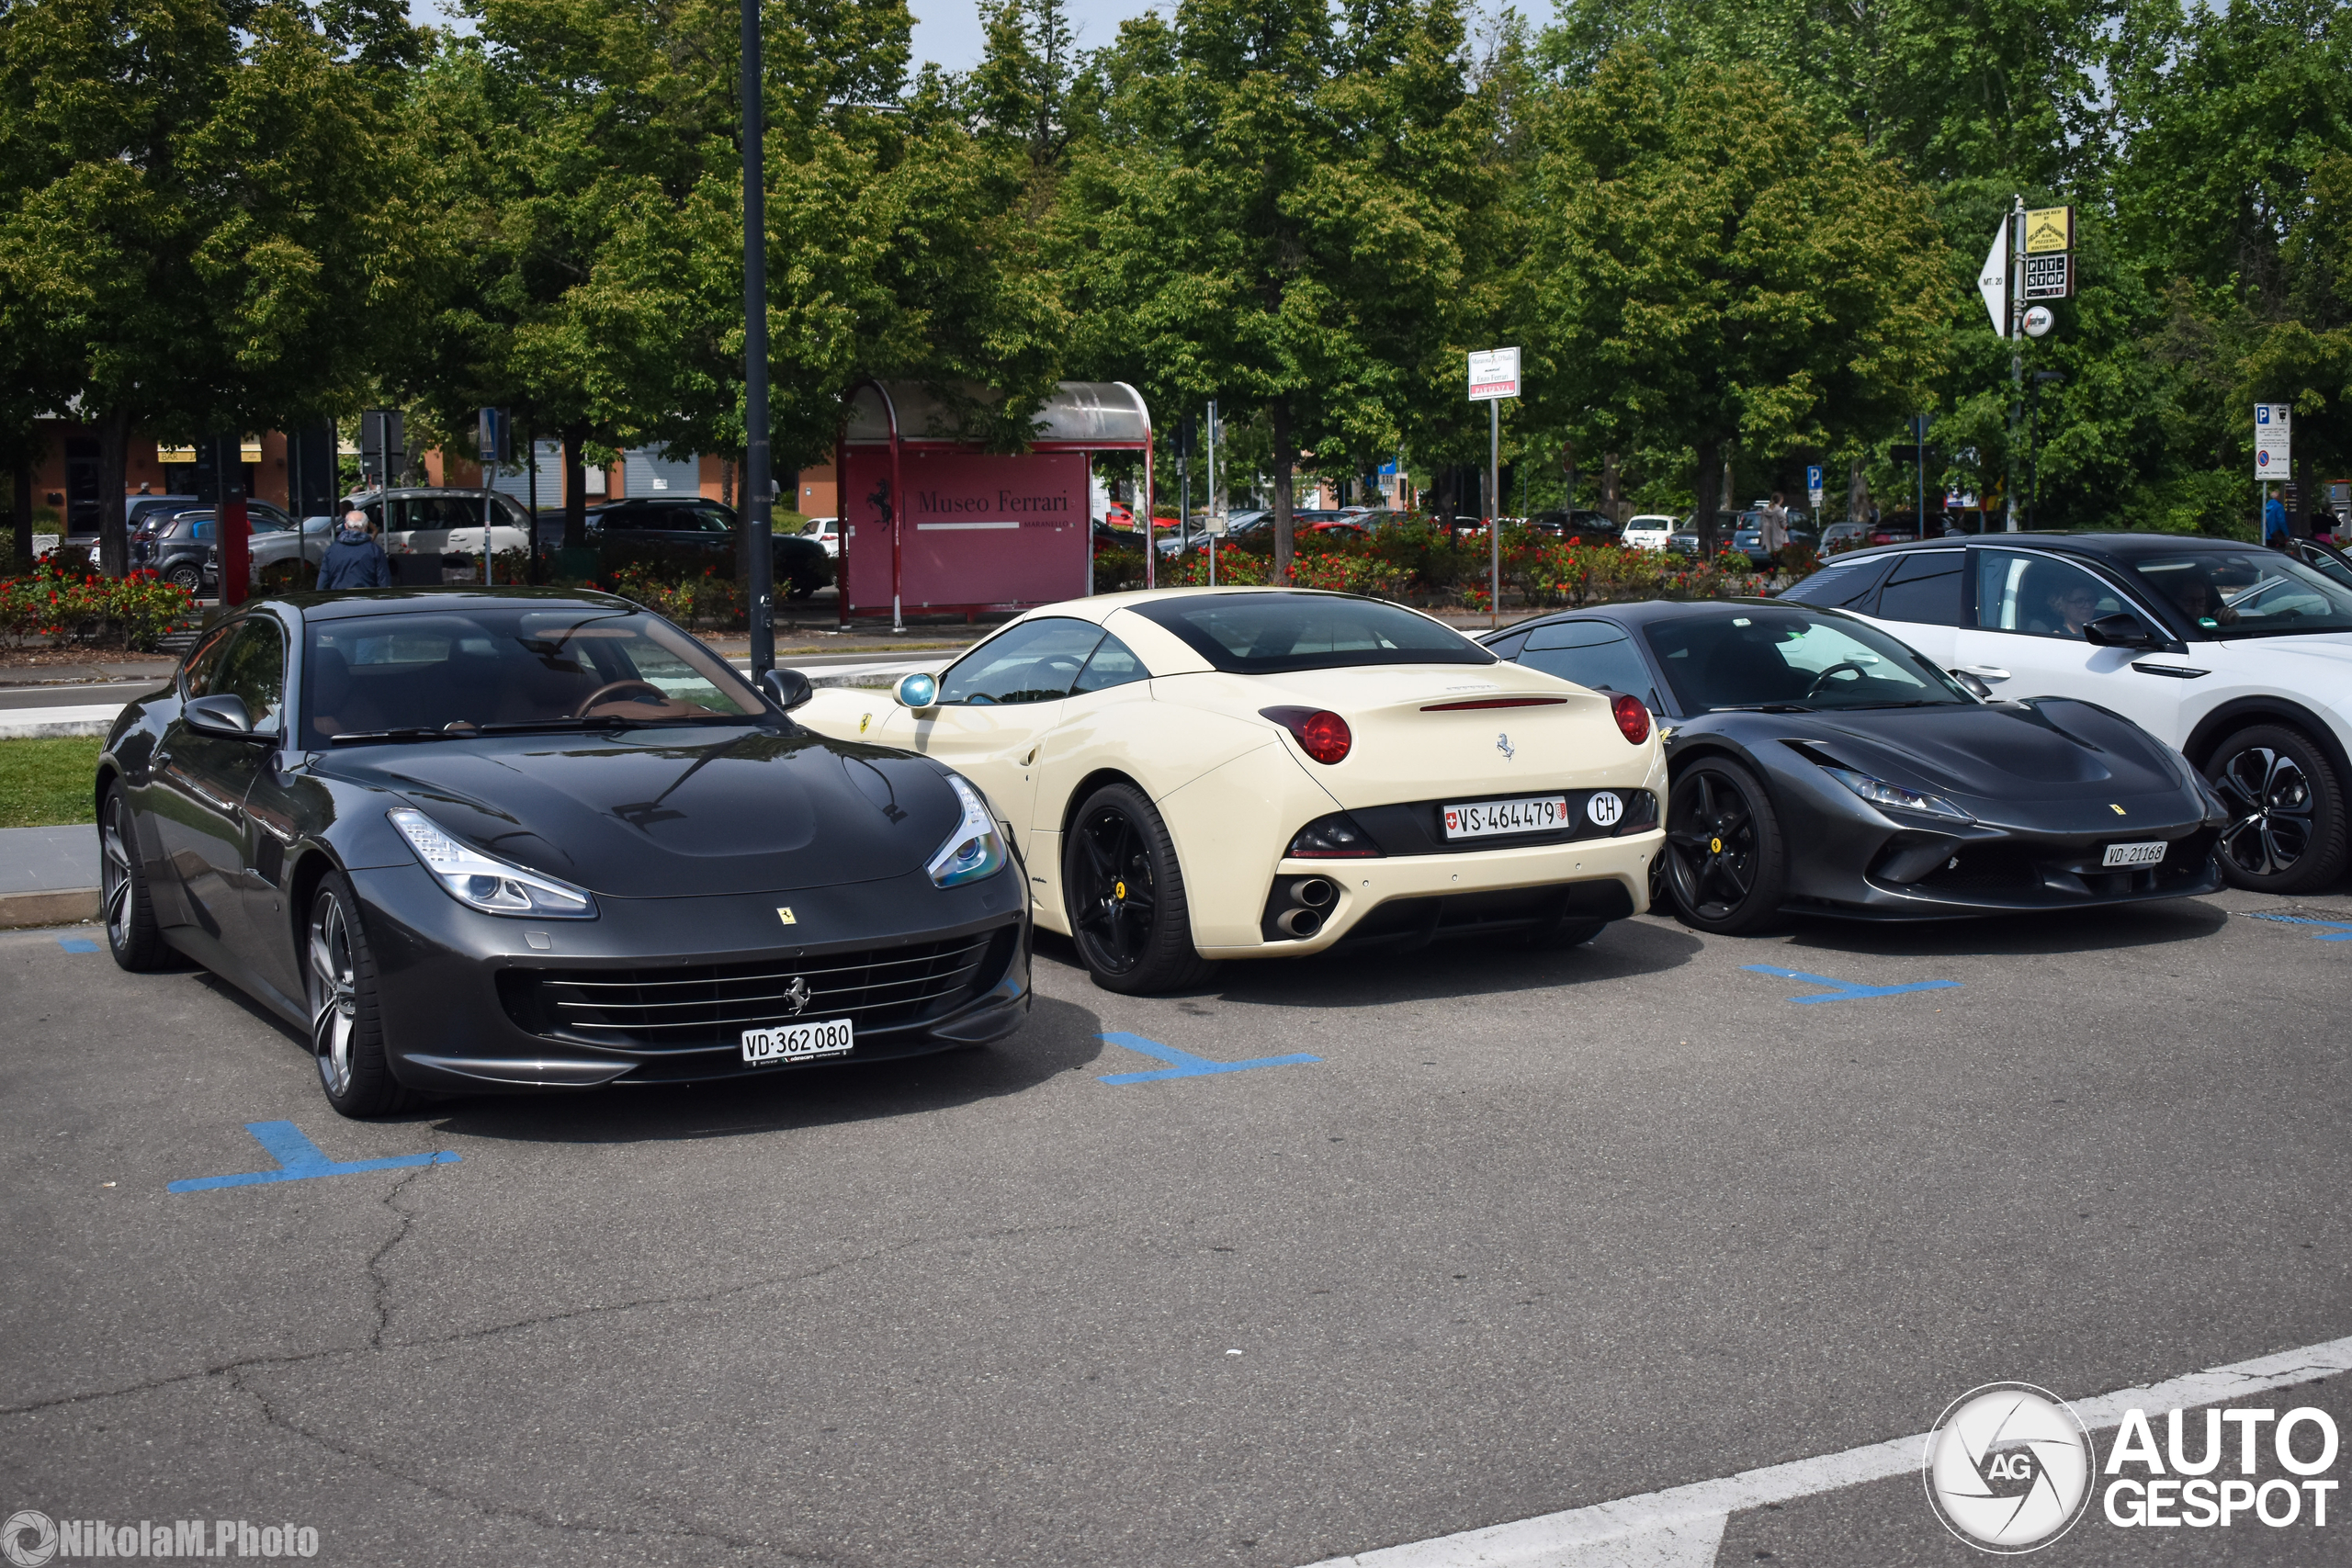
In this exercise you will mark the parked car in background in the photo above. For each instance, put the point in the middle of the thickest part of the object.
(1646, 531)
(439, 521)
(1844, 536)
(1589, 528)
(827, 532)
(802, 565)
(181, 545)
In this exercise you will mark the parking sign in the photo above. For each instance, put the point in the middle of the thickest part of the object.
(2273, 449)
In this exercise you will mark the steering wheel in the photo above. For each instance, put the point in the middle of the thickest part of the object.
(1814, 689)
(609, 687)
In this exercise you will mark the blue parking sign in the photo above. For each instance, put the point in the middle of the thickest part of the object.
(1812, 476)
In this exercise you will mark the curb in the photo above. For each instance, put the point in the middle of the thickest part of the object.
(73, 907)
(52, 730)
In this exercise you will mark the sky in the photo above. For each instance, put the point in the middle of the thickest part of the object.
(947, 32)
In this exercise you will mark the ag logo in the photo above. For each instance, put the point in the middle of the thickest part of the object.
(1604, 808)
(2008, 1468)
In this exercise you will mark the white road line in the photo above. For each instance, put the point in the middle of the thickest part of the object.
(1682, 1527)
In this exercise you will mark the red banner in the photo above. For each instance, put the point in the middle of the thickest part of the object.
(976, 529)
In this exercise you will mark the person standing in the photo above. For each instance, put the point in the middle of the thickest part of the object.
(354, 559)
(1775, 528)
(2275, 532)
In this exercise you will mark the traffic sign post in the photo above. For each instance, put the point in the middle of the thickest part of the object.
(492, 435)
(1494, 376)
(2273, 456)
(1813, 489)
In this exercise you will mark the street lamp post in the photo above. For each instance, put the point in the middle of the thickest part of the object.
(759, 487)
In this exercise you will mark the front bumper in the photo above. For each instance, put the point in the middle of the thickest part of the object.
(1411, 898)
(475, 1003)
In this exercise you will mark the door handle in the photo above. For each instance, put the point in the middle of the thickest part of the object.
(1986, 672)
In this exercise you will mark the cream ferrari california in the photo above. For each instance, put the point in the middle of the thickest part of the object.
(1199, 774)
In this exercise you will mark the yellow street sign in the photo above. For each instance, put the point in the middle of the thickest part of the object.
(2049, 229)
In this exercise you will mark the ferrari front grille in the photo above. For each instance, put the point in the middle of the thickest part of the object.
(707, 1006)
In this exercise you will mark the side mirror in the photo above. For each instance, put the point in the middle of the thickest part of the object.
(917, 690)
(2122, 629)
(220, 716)
(1973, 684)
(786, 688)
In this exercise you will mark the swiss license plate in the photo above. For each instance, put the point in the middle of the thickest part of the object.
(1528, 814)
(2134, 854)
(797, 1041)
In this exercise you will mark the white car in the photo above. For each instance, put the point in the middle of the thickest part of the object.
(826, 531)
(1647, 532)
(1195, 774)
(436, 522)
(2240, 657)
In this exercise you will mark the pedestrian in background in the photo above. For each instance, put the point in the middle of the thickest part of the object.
(2275, 532)
(354, 559)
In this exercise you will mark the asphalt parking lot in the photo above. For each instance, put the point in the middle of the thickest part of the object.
(1530, 1231)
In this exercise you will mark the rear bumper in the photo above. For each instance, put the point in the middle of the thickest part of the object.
(457, 989)
(1410, 898)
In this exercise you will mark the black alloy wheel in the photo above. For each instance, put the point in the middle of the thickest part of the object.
(347, 1031)
(1726, 864)
(2286, 832)
(132, 934)
(1124, 897)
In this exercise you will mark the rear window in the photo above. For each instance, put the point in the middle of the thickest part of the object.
(1274, 634)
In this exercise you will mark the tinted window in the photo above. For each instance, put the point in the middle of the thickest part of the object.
(1113, 664)
(1269, 634)
(1924, 587)
(519, 664)
(1788, 658)
(253, 671)
(1591, 653)
(1843, 587)
(1037, 661)
(2038, 596)
(2249, 592)
(196, 680)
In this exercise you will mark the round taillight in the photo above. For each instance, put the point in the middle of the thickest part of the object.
(1325, 736)
(1631, 717)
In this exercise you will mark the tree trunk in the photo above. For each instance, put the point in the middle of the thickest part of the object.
(1706, 494)
(575, 491)
(1569, 468)
(1612, 488)
(113, 454)
(1858, 492)
(24, 510)
(1285, 459)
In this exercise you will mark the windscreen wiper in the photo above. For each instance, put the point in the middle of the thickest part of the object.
(1764, 707)
(412, 732)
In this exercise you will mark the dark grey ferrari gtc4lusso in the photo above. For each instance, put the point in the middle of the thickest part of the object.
(470, 841)
(1818, 764)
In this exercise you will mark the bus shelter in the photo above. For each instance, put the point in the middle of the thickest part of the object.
(931, 522)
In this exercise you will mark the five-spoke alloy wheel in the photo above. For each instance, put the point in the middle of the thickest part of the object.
(1125, 897)
(347, 1034)
(129, 914)
(1725, 865)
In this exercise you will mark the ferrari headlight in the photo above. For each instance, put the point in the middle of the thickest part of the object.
(975, 849)
(1878, 792)
(485, 881)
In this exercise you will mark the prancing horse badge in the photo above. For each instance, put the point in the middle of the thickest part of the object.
(1502, 744)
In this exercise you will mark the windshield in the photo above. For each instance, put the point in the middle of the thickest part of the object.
(488, 667)
(1780, 659)
(2248, 593)
(1273, 634)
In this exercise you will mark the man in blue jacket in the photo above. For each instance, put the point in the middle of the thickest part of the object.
(354, 559)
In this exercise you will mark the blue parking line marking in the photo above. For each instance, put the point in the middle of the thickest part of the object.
(2331, 930)
(78, 945)
(1847, 991)
(1183, 1064)
(298, 1159)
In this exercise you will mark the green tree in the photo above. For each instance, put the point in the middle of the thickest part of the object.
(192, 237)
(1274, 212)
(1711, 269)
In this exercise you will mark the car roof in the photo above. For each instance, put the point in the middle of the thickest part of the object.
(315, 607)
(2121, 548)
(1642, 611)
